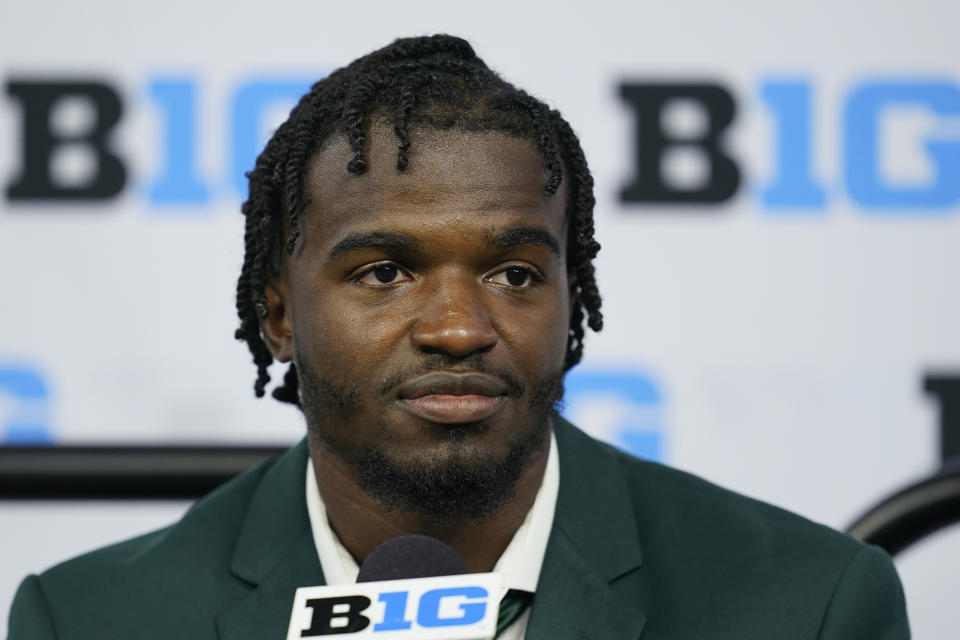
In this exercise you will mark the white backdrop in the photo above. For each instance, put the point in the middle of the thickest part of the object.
(774, 342)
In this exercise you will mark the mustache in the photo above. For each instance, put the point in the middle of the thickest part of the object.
(439, 361)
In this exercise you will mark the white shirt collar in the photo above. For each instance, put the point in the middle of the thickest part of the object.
(519, 565)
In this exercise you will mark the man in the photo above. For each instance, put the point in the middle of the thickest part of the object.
(419, 240)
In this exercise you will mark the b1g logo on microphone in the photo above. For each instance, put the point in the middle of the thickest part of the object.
(462, 607)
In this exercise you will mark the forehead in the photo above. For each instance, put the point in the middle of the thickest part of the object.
(495, 178)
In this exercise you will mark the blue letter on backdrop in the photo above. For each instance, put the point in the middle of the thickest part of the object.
(178, 183)
(249, 103)
(27, 422)
(632, 398)
(793, 186)
(861, 161)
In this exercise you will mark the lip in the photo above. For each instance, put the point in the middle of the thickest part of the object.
(444, 397)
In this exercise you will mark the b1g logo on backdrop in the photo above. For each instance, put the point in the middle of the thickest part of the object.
(620, 405)
(177, 181)
(866, 118)
(50, 138)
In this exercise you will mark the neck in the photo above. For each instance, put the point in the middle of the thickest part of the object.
(362, 523)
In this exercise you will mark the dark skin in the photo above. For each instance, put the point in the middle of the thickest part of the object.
(459, 259)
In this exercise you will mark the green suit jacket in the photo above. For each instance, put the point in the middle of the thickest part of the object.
(637, 550)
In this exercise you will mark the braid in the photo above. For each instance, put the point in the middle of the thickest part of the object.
(401, 128)
(353, 117)
(432, 82)
(580, 214)
(251, 302)
(539, 119)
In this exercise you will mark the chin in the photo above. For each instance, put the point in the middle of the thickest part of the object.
(461, 477)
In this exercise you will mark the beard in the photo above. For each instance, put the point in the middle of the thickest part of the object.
(459, 484)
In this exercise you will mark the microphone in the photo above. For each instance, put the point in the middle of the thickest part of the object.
(408, 587)
(411, 556)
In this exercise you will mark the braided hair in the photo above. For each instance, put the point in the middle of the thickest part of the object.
(435, 82)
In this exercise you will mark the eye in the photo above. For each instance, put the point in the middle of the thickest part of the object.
(516, 276)
(382, 274)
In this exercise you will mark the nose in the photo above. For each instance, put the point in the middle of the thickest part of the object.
(454, 319)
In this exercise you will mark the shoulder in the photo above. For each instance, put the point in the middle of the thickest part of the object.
(185, 562)
(685, 501)
(203, 535)
(762, 561)
(666, 499)
(715, 554)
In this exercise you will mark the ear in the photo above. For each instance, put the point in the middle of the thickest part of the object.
(277, 325)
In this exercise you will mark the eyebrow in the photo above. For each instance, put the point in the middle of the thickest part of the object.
(383, 240)
(402, 243)
(524, 235)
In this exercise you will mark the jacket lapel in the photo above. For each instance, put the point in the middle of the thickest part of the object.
(587, 586)
(275, 553)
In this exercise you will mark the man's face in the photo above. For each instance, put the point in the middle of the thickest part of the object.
(428, 310)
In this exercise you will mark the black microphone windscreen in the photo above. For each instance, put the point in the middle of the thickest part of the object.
(411, 556)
